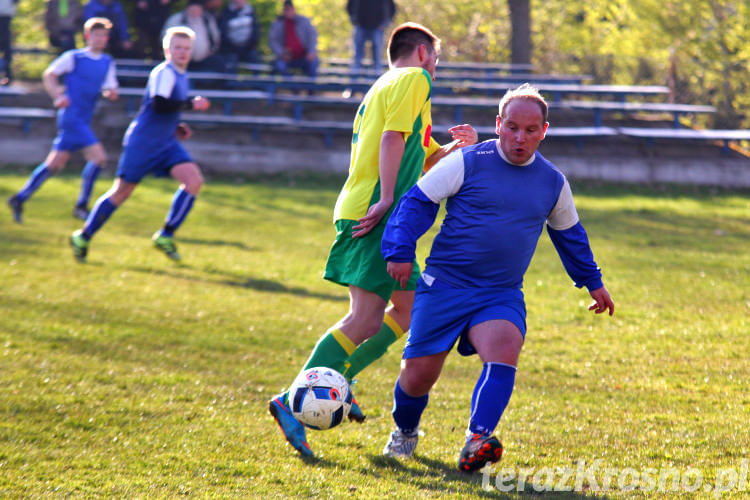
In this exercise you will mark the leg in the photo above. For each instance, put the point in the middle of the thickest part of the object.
(410, 397)
(359, 47)
(395, 323)
(103, 209)
(377, 49)
(95, 158)
(498, 343)
(54, 162)
(5, 48)
(191, 181)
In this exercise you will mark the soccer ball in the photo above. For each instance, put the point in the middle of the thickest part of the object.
(320, 398)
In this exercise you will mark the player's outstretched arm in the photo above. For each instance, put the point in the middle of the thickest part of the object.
(602, 301)
(463, 135)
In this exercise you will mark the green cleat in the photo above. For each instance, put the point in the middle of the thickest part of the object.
(166, 245)
(80, 246)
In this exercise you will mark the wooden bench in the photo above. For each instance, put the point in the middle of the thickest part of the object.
(725, 136)
(26, 115)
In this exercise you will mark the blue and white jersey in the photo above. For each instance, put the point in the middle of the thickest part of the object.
(154, 131)
(495, 212)
(85, 75)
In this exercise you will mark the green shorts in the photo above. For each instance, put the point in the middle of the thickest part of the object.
(358, 262)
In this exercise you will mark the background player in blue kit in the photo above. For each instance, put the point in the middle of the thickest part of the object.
(500, 193)
(87, 72)
(151, 146)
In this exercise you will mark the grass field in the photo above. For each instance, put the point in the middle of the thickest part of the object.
(133, 377)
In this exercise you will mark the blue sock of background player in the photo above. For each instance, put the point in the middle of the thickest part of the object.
(182, 203)
(40, 174)
(88, 178)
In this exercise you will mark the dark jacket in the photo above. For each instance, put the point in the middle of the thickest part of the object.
(370, 14)
(239, 28)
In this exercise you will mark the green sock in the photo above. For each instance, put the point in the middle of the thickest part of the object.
(331, 351)
(372, 348)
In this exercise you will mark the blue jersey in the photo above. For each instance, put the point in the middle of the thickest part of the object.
(149, 130)
(86, 74)
(495, 212)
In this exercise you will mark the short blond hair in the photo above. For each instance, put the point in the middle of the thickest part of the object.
(96, 23)
(177, 31)
(525, 91)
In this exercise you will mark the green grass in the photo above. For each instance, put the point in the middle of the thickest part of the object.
(133, 377)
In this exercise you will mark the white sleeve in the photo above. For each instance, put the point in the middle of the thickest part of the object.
(563, 215)
(161, 82)
(63, 64)
(444, 179)
(110, 81)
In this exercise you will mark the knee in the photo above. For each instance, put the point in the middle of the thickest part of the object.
(416, 380)
(194, 184)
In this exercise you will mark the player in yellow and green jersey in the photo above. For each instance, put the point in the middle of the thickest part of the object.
(391, 146)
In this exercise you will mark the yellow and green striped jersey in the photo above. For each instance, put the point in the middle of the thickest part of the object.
(398, 101)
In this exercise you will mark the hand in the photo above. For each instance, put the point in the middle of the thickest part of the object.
(183, 131)
(602, 301)
(200, 103)
(61, 101)
(127, 45)
(400, 271)
(369, 221)
(464, 134)
(111, 94)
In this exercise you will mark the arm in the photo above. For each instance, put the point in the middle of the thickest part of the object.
(110, 85)
(412, 217)
(573, 247)
(391, 151)
(51, 79)
(463, 135)
(166, 105)
(122, 25)
(276, 38)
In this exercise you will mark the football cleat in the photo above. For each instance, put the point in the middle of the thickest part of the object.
(478, 451)
(80, 245)
(355, 413)
(16, 206)
(293, 430)
(166, 245)
(400, 445)
(81, 213)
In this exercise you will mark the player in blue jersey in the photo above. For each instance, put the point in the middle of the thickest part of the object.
(500, 193)
(151, 145)
(88, 72)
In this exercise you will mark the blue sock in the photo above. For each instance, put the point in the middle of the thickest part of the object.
(491, 396)
(98, 216)
(407, 410)
(88, 178)
(181, 205)
(36, 179)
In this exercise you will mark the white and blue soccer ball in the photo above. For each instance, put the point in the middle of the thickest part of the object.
(320, 398)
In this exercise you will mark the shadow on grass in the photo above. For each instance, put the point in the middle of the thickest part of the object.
(218, 243)
(260, 285)
(439, 476)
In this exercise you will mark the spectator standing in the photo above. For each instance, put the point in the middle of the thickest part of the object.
(119, 39)
(294, 41)
(207, 39)
(369, 19)
(7, 10)
(239, 33)
(149, 17)
(63, 19)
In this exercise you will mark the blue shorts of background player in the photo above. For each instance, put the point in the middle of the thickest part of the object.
(135, 164)
(74, 138)
(442, 315)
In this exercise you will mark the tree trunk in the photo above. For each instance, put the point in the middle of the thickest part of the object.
(520, 39)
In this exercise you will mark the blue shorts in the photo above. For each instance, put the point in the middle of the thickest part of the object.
(442, 315)
(74, 138)
(136, 163)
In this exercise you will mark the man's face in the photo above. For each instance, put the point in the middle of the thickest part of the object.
(97, 39)
(521, 129)
(179, 51)
(195, 10)
(289, 12)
